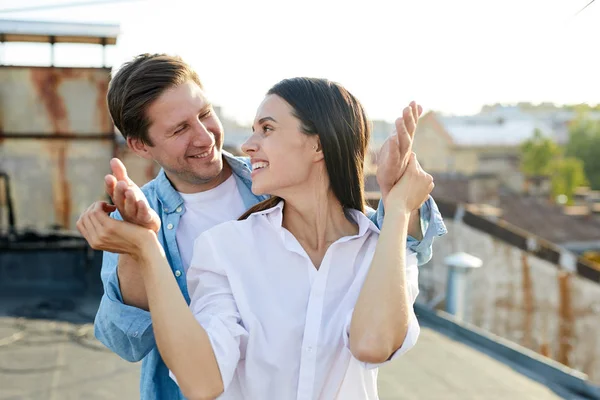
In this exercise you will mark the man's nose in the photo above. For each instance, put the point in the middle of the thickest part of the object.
(202, 136)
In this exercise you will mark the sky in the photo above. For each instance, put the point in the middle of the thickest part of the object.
(450, 56)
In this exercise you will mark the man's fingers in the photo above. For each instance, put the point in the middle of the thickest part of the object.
(404, 138)
(119, 170)
(119, 195)
(410, 121)
(131, 208)
(415, 110)
(143, 211)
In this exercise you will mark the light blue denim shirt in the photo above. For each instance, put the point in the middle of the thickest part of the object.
(127, 330)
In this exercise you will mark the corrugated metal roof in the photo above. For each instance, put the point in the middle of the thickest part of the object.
(57, 32)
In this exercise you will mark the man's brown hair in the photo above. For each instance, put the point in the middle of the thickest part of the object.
(137, 84)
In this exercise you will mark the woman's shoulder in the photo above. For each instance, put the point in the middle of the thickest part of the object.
(234, 232)
(230, 229)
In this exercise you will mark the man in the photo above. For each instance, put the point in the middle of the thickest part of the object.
(158, 103)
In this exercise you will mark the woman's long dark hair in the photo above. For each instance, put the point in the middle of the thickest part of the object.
(326, 109)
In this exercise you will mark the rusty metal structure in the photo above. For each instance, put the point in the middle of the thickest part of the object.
(56, 135)
(56, 139)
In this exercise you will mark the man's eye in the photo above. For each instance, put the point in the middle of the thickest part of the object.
(206, 114)
(180, 129)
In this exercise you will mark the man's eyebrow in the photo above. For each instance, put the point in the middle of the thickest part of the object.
(204, 109)
(260, 121)
(172, 127)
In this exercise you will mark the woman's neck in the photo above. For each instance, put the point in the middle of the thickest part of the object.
(316, 219)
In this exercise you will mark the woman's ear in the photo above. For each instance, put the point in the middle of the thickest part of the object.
(318, 150)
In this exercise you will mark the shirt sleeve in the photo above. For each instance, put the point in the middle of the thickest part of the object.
(125, 330)
(414, 329)
(432, 226)
(214, 307)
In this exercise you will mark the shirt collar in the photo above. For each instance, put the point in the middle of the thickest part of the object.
(275, 217)
(170, 198)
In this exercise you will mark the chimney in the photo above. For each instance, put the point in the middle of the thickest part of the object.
(538, 186)
(592, 200)
(581, 195)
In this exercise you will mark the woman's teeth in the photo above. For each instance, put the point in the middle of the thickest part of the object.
(260, 165)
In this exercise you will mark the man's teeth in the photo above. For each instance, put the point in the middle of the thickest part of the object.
(205, 154)
(260, 165)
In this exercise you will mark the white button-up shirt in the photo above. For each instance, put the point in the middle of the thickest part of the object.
(279, 327)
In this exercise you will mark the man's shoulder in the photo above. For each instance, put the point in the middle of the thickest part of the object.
(237, 163)
(150, 191)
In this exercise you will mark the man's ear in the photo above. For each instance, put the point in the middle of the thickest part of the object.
(138, 147)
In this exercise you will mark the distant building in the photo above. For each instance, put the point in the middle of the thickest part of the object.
(487, 142)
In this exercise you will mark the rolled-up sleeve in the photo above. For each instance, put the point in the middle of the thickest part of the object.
(214, 307)
(432, 224)
(125, 330)
(414, 329)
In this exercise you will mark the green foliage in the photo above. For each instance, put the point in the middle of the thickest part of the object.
(584, 144)
(567, 175)
(541, 156)
(537, 155)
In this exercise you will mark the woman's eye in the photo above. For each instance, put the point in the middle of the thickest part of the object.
(267, 128)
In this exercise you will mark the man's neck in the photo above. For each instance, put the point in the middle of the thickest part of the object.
(190, 188)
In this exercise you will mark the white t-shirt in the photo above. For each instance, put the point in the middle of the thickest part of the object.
(205, 210)
(279, 327)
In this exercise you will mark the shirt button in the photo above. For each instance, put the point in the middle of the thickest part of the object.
(166, 209)
(179, 209)
(178, 273)
(309, 349)
(135, 334)
(170, 226)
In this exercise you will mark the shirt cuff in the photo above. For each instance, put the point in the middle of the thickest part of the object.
(412, 334)
(225, 342)
(132, 321)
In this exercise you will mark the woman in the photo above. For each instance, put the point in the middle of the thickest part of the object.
(303, 297)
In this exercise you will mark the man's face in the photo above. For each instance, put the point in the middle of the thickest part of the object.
(187, 138)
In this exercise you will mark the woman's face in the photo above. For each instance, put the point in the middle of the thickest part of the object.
(282, 156)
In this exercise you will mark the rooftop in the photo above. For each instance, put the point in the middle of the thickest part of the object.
(57, 32)
(533, 214)
(64, 360)
(473, 131)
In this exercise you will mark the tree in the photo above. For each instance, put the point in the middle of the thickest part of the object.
(537, 155)
(541, 156)
(584, 144)
(567, 175)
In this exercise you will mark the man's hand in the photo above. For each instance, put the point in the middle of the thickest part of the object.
(395, 153)
(129, 198)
